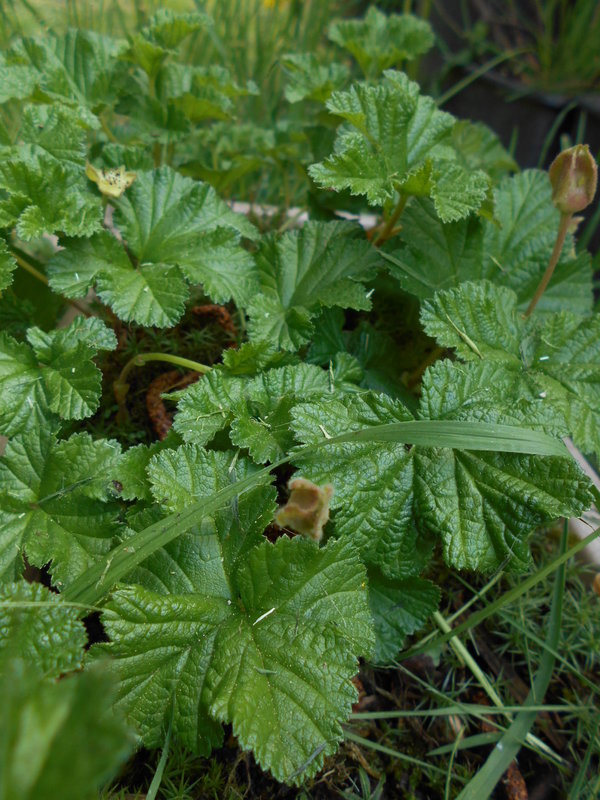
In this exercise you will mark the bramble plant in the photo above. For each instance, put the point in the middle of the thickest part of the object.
(212, 614)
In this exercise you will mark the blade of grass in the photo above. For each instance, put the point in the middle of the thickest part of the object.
(97, 581)
(484, 782)
(480, 676)
(508, 597)
(160, 768)
(478, 740)
(581, 780)
(483, 69)
(353, 737)
(467, 709)
(455, 748)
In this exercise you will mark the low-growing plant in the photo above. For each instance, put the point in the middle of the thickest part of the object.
(382, 450)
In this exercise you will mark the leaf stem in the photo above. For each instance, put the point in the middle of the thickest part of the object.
(388, 228)
(563, 228)
(43, 279)
(121, 387)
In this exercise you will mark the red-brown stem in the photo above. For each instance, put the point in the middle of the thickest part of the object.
(563, 228)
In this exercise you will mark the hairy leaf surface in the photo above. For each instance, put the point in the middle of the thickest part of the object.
(177, 231)
(270, 647)
(399, 608)
(38, 628)
(393, 502)
(56, 502)
(256, 410)
(300, 272)
(393, 143)
(558, 356)
(379, 41)
(55, 377)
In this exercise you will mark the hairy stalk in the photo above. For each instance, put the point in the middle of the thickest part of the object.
(121, 387)
(563, 228)
(388, 229)
(43, 279)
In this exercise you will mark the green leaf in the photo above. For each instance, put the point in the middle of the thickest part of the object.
(379, 41)
(164, 32)
(518, 251)
(202, 92)
(310, 80)
(58, 739)
(46, 196)
(36, 627)
(390, 146)
(57, 376)
(154, 294)
(373, 483)
(478, 147)
(392, 501)
(399, 608)
(7, 266)
(55, 131)
(176, 229)
(256, 410)
(373, 351)
(262, 424)
(17, 81)
(177, 479)
(558, 355)
(79, 67)
(300, 272)
(56, 501)
(130, 474)
(438, 256)
(270, 648)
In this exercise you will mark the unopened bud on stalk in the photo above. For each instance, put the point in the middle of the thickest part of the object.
(574, 176)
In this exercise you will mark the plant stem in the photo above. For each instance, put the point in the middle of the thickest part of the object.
(43, 279)
(121, 387)
(389, 226)
(30, 268)
(563, 228)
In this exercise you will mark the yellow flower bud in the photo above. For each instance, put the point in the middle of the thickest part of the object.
(307, 510)
(574, 176)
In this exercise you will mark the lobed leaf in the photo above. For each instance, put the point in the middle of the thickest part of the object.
(393, 502)
(557, 356)
(39, 629)
(55, 376)
(322, 264)
(256, 410)
(379, 41)
(176, 231)
(310, 80)
(274, 656)
(56, 502)
(393, 144)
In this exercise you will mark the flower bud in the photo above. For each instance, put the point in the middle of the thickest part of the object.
(573, 175)
(307, 510)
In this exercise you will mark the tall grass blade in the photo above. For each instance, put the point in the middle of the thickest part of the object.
(484, 782)
(100, 578)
